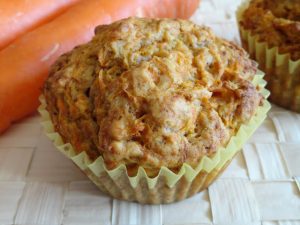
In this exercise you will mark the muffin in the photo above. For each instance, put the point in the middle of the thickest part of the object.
(270, 31)
(153, 109)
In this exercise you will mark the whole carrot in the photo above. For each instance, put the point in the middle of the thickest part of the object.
(20, 16)
(25, 63)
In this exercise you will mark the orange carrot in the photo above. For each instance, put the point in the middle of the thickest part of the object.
(25, 63)
(20, 16)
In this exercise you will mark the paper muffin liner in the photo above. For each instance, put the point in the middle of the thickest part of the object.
(167, 186)
(282, 73)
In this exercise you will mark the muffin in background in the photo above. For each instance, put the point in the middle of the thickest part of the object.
(270, 32)
(153, 110)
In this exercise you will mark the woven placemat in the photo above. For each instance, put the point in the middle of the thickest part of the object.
(38, 186)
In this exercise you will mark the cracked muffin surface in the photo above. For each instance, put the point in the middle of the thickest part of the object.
(276, 22)
(152, 93)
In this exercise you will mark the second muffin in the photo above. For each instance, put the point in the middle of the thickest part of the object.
(270, 31)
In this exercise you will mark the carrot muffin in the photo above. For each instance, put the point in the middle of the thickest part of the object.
(276, 24)
(152, 93)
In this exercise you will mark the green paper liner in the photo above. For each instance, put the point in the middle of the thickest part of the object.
(167, 186)
(282, 73)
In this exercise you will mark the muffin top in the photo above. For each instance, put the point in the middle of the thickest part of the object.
(276, 22)
(151, 93)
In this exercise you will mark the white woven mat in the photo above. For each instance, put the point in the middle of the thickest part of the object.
(38, 186)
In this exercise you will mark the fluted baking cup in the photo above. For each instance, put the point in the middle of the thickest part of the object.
(282, 73)
(167, 186)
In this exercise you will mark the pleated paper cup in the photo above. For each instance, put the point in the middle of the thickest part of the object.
(282, 73)
(167, 186)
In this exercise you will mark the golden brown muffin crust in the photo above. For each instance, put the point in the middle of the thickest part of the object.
(276, 22)
(152, 93)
